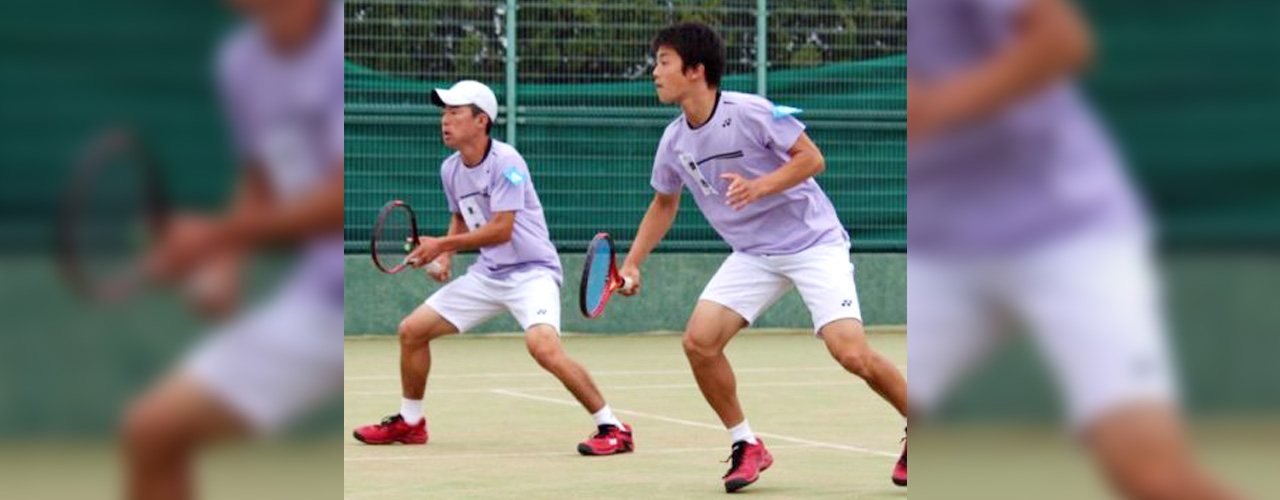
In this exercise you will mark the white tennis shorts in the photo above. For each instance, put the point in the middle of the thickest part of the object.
(276, 363)
(749, 284)
(1091, 304)
(532, 297)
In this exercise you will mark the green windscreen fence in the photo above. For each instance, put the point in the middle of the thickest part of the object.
(66, 76)
(587, 120)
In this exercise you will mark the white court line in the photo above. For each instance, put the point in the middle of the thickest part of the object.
(691, 423)
(450, 456)
(609, 388)
(604, 373)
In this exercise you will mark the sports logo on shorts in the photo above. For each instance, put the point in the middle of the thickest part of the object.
(513, 175)
(846, 303)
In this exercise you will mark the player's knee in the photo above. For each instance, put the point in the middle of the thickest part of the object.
(148, 430)
(697, 348)
(856, 362)
(545, 352)
(414, 335)
(544, 346)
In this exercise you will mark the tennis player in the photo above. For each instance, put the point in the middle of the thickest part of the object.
(1020, 209)
(749, 166)
(280, 75)
(495, 210)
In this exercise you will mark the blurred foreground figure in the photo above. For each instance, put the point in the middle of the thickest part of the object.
(1020, 210)
(280, 76)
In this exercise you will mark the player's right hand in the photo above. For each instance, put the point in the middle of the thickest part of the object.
(440, 269)
(426, 252)
(632, 274)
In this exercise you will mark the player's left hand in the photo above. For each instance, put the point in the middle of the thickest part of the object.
(428, 249)
(742, 191)
(214, 287)
(440, 268)
(185, 241)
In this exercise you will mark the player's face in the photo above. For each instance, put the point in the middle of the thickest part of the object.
(669, 79)
(459, 125)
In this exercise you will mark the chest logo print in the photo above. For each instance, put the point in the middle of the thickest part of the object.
(691, 166)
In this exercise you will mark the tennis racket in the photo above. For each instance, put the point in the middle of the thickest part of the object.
(113, 211)
(600, 276)
(395, 235)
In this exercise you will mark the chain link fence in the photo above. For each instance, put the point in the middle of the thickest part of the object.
(577, 101)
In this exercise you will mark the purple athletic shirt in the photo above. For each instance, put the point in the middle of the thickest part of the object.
(285, 112)
(1039, 169)
(501, 183)
(747, 135)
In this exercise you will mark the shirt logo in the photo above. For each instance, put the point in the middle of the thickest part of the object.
(846, 303)
(726, 123)
(781, 111)
(513, 175)
(691, 166)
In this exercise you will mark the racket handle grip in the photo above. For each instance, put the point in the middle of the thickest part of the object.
(628, 284)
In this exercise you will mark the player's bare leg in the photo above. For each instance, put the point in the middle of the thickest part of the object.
(709, 329)
(611, 436)
(409, 426)
(847, 343)
(1144, 453)
(164, 429)
(416, 332)
(544, 345)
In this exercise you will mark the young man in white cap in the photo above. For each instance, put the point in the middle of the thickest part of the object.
(495, 210)
(1022, 215)
(280, 76)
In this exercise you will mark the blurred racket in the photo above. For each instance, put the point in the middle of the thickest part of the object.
(600, 276)
(113, 211)
(395, 235)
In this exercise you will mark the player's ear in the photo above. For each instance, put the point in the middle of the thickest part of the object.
(696, 70)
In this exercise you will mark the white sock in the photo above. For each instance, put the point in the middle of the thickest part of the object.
(411, 410)
(605, 417)
(742, 432)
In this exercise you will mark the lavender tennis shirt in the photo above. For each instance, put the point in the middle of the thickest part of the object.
(1037, 170)
(501, 183)
(285, 112)
(746, 135)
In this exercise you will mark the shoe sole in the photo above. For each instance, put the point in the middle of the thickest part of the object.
(737, 484)
(900, 482)
(587, 451)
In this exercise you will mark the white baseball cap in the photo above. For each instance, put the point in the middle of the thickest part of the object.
(468, 92)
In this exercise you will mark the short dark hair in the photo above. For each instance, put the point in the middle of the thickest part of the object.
(476, 111)
(697, 44)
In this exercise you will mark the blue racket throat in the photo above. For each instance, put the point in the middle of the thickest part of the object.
(599, 276)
